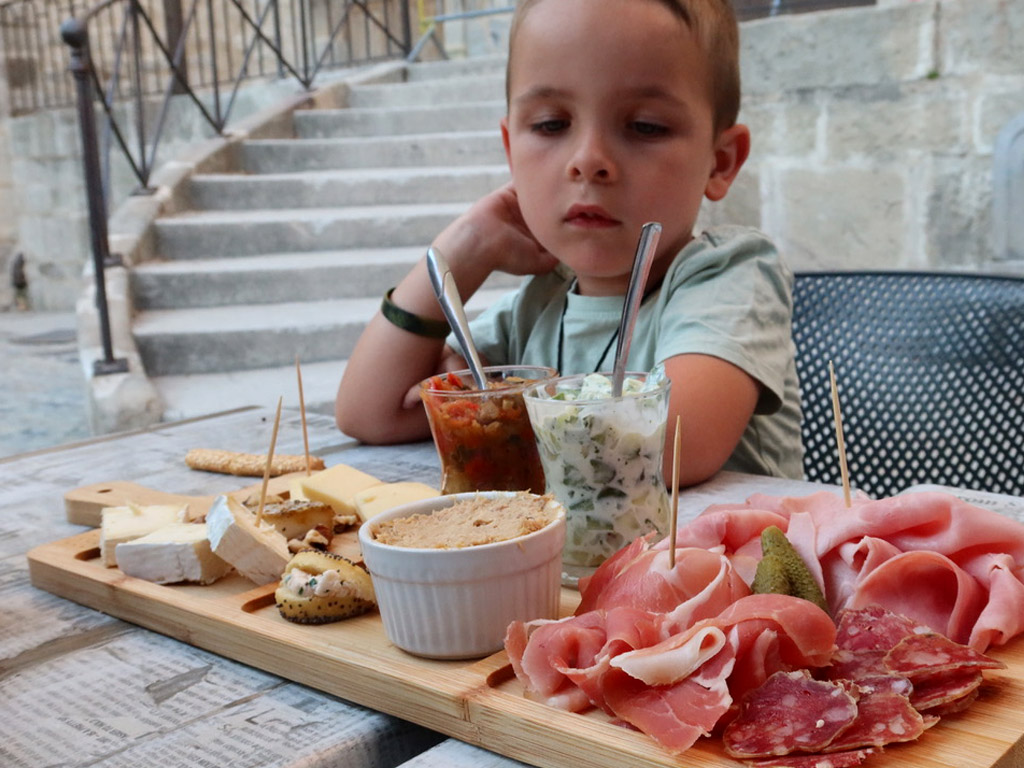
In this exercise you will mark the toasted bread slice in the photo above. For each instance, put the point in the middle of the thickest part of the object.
(320, 587)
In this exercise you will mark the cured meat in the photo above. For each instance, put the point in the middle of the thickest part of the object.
(835, 760)
(921, 655)
(701, 584)
(954, 567)
(791, 712)
(884, 716)
(939, 692)
(872, 629)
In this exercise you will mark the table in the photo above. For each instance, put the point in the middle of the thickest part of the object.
(80, 688)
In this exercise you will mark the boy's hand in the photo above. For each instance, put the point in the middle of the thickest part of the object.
(491, 236)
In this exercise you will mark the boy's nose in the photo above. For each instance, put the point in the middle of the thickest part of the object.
(591, 160)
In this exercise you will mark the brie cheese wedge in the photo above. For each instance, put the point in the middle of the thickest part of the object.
(120, 524)
(177, 552)
(258, 552)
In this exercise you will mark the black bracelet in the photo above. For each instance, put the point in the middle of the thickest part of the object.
(407, 321)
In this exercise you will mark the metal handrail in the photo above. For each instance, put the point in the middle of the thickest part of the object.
(177, 46)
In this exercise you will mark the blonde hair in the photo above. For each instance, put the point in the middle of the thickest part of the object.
(713, 23)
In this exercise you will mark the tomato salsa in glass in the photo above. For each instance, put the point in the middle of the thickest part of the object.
(483, 437)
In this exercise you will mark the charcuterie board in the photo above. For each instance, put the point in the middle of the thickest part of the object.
(84, 506)
(480, 702)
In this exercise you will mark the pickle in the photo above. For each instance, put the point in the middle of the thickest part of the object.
(782, 571)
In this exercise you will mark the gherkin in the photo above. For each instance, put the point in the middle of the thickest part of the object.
(783, 571)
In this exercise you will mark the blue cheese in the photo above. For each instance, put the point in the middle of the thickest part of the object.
(121, 524)
(258, 552)
(175, 553)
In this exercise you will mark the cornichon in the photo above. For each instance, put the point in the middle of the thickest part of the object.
(782, 571)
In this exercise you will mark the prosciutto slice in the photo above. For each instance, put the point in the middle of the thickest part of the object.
(701, 584)
(675, 685)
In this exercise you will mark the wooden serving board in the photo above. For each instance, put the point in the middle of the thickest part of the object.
(84, 506)
(480, 702)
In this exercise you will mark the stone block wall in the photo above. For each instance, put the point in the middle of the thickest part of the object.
(873, 133)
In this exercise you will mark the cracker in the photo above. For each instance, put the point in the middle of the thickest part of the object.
(248, 464)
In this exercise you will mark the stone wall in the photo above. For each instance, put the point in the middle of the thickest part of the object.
(873, 133)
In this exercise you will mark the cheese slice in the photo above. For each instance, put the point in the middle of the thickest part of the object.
(337, 486)
(120, 524)
(258, 552)
(295, 488)
(380, 498)
(171, 554)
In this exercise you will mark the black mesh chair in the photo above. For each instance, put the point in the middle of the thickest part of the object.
(930, 374)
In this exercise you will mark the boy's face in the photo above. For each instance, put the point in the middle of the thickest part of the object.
(609, 126)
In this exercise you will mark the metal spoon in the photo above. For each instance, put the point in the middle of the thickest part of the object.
(649, 235)
(451, 304)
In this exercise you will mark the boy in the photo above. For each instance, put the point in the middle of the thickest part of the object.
(619, 112)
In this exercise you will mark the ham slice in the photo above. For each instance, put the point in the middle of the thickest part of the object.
(952, 566)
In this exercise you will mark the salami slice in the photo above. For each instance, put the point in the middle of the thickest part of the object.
(790, 712)
(856, 665)
(883, 717)
(920, 655)
(835, 760)
(872, 629)
(952, 707)
(944, 688)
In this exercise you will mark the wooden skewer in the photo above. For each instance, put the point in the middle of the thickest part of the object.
(270, 458)
(674, 512)
(302, 411)
(840, 443)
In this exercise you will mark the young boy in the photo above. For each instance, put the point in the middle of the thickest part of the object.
(620, 112)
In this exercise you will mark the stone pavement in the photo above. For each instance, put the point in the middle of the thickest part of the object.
(42, 386)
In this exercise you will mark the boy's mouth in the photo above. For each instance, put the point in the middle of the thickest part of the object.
(589, 216)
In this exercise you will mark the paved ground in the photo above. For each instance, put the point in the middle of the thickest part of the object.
(42, 387)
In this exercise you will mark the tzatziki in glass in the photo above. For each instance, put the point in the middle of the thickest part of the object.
(602, 460)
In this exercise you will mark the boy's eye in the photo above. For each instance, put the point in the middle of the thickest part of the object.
(549, 126)
(648, 129)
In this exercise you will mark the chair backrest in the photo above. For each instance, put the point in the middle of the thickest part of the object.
(930, 375)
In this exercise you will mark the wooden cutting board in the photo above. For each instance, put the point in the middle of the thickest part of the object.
(480, 702)
(84, 506)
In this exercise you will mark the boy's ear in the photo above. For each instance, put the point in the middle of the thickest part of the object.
(731, 151)
(504, 139)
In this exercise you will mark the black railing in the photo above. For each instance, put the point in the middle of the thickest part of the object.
(200, 53)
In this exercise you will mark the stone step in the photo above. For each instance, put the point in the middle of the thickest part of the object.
(450, 90)
(454, 68)
(204, 234)
(250, 336)
(369, 186)
(270, 278)
(419, 150)
(190, 395)
(394, 121)
(278, 277)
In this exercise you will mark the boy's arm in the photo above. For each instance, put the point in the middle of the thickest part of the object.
(715, 400)
(373, 402)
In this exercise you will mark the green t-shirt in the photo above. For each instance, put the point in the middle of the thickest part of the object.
(727, 294)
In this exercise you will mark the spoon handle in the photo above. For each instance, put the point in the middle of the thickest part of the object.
(649, 236)
(451, 304)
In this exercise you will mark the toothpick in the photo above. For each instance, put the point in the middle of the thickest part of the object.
(270, 458)
(302, 410)
(840, 444)
(674, 513)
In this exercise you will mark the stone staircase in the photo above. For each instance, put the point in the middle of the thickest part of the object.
(290, 255)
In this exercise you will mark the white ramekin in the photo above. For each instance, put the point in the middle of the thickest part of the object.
(457, 603)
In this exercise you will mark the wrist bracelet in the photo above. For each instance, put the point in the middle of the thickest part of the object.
(407, 321)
